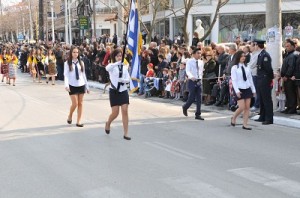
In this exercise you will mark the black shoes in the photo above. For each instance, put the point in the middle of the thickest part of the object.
(69, 121)
(258, 120)
(267, 122)
(107, 131)
(199, 118)
(79, 125)
(184, 111)
(126, 137)
(232, 124)
(218, 103)
(247, 128)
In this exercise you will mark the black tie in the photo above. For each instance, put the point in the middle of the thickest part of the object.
(197, 65)
(76, 70)
(244, 73)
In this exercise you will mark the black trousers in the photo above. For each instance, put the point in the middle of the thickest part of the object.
(291, 94)
(194, 93)
(266, 103)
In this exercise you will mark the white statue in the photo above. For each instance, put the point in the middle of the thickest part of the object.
(199, 29)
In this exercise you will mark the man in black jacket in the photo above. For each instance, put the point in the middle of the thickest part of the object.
(287, 71)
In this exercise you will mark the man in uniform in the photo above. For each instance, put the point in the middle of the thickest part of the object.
(265, 76)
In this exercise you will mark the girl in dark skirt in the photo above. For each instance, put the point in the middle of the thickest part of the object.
(75, 83)
(243, 88)
(118, 94)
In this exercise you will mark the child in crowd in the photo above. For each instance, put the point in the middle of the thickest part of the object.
(150, 72)
(280, 95)
(164, 82)
(182, 78)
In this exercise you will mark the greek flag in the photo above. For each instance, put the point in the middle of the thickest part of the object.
(134, 45)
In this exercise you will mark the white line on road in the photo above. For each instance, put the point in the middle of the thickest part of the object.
(180, 151)
(277, 182)
(194, 188)
(297, 164)
(174, 151)
(107, 192)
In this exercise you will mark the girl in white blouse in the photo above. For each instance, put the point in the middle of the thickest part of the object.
(75, 83)
(118, 94)
(243, 87)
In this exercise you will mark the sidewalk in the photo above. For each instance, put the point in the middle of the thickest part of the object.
(279, 118)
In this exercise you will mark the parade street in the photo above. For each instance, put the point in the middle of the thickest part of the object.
(169, 156)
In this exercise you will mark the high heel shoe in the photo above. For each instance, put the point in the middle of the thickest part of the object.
(232, 124)
(247, 128)
(107, 131)
(126, 138)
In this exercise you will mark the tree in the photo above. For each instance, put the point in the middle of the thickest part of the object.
(185, 10)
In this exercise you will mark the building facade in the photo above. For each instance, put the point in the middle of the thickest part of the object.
(245, 18)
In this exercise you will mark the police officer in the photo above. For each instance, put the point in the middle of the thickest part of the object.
(265, 76)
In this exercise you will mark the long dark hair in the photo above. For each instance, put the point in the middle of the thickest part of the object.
(114, 54)
(70, 59)
(237, 57)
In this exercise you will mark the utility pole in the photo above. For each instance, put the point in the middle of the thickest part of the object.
(30, 19)
(41, 20)
(52, 21)
(70, 24)
(1, 19)
(94, 18)
(66, 23)
(273, 19)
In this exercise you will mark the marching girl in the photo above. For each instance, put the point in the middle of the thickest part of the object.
(50, 66)
(75, 84)
(38, 63)
(4, 65)
(118, 94)
(12, 64)
(30, 64)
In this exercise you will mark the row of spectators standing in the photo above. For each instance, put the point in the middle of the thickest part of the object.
(169, 66)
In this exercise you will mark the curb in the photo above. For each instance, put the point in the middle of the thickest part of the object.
(289, 122)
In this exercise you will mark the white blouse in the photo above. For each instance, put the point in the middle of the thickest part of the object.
(113, 71)
(238, 81)
(191, 68)
(70, 76)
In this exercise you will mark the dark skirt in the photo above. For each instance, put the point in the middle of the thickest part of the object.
(245, 94)
(76, 90)
(118, 98)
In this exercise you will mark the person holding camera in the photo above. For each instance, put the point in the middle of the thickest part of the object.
(194, 71)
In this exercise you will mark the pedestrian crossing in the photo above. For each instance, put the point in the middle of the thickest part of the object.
(194, 187)
(277, 182)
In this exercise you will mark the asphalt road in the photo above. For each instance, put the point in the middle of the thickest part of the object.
(169, 156)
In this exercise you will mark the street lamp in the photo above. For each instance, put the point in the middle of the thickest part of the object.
(52, 20)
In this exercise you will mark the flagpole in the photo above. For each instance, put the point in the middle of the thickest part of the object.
(125, 43)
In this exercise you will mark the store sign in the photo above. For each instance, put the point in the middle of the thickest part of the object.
(84, 22)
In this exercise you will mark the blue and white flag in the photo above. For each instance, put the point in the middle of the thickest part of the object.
(134, 45)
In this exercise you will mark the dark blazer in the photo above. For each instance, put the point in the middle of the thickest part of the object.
(288, 65)
(264, 66)
(297, 71)
(222, 61)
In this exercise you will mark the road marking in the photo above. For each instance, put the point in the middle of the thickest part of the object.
(297, 164)
(35, 100)
(174, 151)
(277, 182)
(194, 188)
(107, 192)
